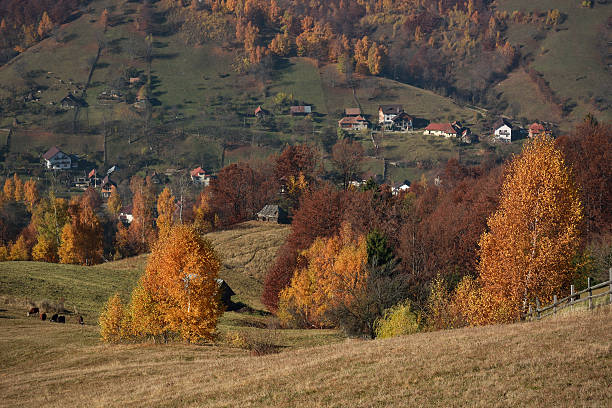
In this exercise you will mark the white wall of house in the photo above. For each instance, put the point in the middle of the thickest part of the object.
(504, 133)
(59, 161)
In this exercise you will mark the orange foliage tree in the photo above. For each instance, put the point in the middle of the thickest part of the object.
(180, 279)
(9, 189)
(18, 188)
(533, 236)
(142, 230)
(335, 275)
(82, 237)
(30, 194)
(114, 202)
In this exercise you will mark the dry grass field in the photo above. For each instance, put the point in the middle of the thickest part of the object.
(561, 361)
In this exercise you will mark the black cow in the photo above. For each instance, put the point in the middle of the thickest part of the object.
(33, 311)
(54, 317)
(79, 319)
(43, 316)
(61, 319)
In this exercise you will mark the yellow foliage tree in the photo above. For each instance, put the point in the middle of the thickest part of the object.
(19, 250)
(181, 279)
(533, 236)
(4, 253)
(165, 213)
(30, 193)
(18, 188)
(9, 189)
(112, 320)
(68, 250)
(81, 241)
(203, 215)
(45, 250)
(335, 274)
(114, 202)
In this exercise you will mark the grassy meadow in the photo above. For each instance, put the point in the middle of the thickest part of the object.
(560, 361)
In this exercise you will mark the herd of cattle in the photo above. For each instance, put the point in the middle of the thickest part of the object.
(55, 318)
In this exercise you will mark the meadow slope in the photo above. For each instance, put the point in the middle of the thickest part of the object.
(563, 361)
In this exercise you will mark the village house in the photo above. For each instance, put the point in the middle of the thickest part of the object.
(198, 175)
(353, 123)
(300, 110)
(110, 95)
(505, 131)
(56, 159)
(72, 102)
(402, 122)
(441, 129)
(402, 186)
(106, 187)
(272, 213)
(538, 129)
(386, 114)
(125, 215)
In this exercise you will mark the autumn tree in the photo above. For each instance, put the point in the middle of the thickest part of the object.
(9, 189)
(18, 188)
(112, 319)
(377, 55)
(49, 217)
(114, 203)
(30, 193)
(82, 237)
(19, 251)
(239, 192)
(181, 280)
(165, 213)
(45, 26)
(589, 151)
(334, 275)
(142, 230)
(346, 158)
(203, 215)
(319, 216)
(533, 236)
(104, 19)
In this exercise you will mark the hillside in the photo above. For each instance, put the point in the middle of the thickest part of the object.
(246, 251)
(561, 361)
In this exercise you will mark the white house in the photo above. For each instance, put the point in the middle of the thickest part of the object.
(56, 159)
(400, 187)
(386, 113)
(504, 130)
(198, 175)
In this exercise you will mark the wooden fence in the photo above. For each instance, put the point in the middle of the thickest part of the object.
(573, 299)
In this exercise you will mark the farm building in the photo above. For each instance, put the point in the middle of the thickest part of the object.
(441, 129)
(353, 123)
(261, 112)
(352, 112)
(538, 129)
(72, 102)
(198, 175)
(272, 213)
(300, 110)
(225, 293)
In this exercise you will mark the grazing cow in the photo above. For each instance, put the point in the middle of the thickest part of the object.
(79, 319)
(61, 319)
(43, 316)
(33, 311)
(54, 318)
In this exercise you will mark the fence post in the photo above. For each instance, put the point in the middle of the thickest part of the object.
(538, 308)
(554, 304)
(590, 293)
(610, 277)
(571, 294)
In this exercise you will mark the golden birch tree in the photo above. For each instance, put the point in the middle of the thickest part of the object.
(533, 236)
(165, 213)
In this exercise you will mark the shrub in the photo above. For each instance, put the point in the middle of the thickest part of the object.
(398, 320)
